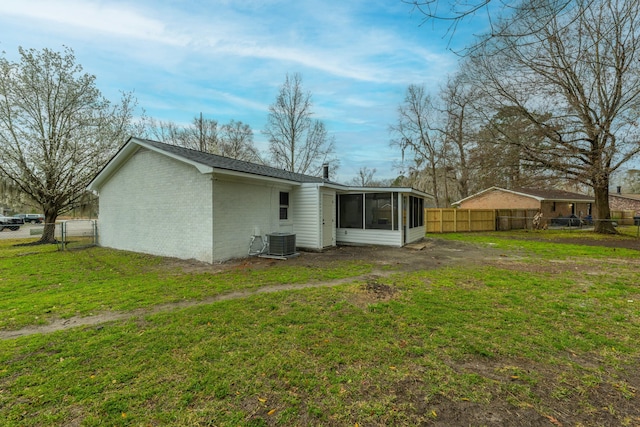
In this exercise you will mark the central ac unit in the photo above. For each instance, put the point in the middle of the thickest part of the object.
(282, 244)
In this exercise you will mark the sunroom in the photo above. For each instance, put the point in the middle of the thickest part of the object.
(381, 216)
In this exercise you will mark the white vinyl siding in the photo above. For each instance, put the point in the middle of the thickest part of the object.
(306, 208)
(368, 237)
(415, 234)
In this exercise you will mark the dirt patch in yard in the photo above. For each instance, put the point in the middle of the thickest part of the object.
(424, 255)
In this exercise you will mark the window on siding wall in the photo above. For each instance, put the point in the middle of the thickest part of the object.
(379, 211)
(284, 205)
(416, 212)
(350, 211)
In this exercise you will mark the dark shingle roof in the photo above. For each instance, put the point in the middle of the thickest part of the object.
(536, 193)
(629, 196)
(553, 194)
(226, 163)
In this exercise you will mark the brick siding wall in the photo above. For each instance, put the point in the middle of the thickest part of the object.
(624, 204)
(496, 199)
(242, 208)
(157, 205)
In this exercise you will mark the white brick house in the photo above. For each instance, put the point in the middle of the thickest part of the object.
(166, 200)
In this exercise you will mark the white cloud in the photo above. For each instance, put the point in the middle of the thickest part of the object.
(341, 49)
(115, 19)
(227, 58)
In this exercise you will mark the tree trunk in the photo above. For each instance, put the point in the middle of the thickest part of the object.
(434, 182)
(48, 235)
(602, 212)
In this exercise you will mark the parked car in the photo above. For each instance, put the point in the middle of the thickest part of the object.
(12, 223)
(33, 218)
(568, 221)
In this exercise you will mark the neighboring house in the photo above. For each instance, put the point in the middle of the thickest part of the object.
(166, 200)
(552, 203)
(620, 201)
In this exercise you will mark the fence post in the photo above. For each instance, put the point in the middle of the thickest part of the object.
(63, 232)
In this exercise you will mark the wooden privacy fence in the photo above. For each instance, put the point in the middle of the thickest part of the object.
(624, 217)
(461, 220)
(456, 220)
(515, 219)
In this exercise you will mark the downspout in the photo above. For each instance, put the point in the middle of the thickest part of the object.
(213, 251)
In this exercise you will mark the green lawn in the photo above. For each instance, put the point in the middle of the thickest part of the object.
(550, 336)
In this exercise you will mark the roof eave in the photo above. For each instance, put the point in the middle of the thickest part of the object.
(237, 174)
(408, 190)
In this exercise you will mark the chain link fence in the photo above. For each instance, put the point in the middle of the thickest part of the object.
(78, 233)
(504, 223)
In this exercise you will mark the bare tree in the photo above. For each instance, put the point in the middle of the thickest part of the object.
(202, 135)
(56, 129)
(493, 12)
(452, 11)
(297, 143)
(459, 97)
(630, 182)
(236, 141)
(160, 130)
(415, 132)
(364, 178)
(584, 70)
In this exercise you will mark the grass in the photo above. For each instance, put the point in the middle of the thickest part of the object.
(39, 283)
(537, 243)
(529, 337)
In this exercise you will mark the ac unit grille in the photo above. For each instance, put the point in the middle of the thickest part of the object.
(282, 244)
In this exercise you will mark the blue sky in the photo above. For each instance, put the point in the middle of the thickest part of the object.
(227, 59)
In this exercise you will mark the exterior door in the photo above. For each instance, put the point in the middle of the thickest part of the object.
(328, 211)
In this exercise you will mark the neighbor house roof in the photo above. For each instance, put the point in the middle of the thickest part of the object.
(554, 195)
(538, 194)
(629, 196)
